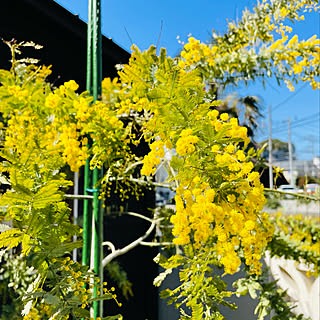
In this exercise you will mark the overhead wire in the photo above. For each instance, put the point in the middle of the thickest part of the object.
(294, 125)
(300, 124)
(289, 97)
(284, 126)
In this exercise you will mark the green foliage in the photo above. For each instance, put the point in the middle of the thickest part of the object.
(200, 290)
(119, 276)
(15, 278)
(297, 237)
(272, 300)
(272, 201)
(164, 232)
(33, 137)
(217, 221)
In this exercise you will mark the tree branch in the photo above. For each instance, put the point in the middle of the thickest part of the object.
(138, 215)
(130, 246)
(156, 244)
(78, 196)
(151, 183)
(297, 195)
(110, 245)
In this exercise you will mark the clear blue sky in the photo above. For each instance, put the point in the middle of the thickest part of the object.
(140, 22)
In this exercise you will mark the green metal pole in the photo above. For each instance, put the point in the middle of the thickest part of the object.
(89, 48)
(93, 234)
(97, 243)
(87, 206)
(97, 50)
(96, 89)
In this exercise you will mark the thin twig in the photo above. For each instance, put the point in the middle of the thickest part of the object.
(173, 174)
(297, 195)
(78, 196)
(151, 183)
(156, 244)
(133, 165)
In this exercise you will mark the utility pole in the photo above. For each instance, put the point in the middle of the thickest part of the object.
(312, 169)
(313, 156)
(270, 152)
(312, 144)
(305, 168)
(290, 154)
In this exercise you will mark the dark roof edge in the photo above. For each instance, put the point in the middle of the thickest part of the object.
(59, 13)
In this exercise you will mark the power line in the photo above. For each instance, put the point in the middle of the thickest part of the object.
(298, 121)
(304, 136)
(314, 125)
(302, 124)
(312, 120)
(289, 97)
(308, 117)
(284, 129)
(295, 122)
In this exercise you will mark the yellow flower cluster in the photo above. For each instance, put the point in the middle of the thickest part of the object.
(82, 108)
(153, 158)
(75, 152)
(107, 132)
(82, 286)
(51, 121)
(52, 101)
(191, 52)
(245, 40)
(26, 133)
(303, 57)
(194, 211)
(233, 222)
(20, 132)
(42, 311)
(205, 212)
(194, 51)
(72, 85)
(278, 44)
(185, 143)
(124, 107)
(18, 92)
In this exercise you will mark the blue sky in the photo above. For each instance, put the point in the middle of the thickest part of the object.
(139, 22)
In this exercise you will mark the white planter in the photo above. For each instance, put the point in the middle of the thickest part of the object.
(304, 291)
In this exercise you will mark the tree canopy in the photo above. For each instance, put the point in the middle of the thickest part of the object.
(218, 219)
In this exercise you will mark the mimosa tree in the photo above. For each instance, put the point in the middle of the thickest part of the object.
(218, 219)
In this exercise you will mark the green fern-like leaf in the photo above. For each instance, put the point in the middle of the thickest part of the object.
(197, 311)
(11, 238)
(26, 247)
(64, 248)
(46, 195)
